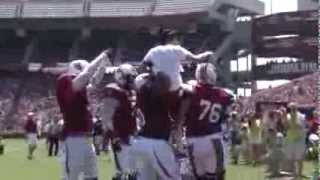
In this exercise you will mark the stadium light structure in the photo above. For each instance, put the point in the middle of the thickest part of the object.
(21, 32)
(86, 32)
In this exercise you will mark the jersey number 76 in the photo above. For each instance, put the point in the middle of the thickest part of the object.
(210, 110)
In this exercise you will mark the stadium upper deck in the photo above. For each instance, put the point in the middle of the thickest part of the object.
(119, 14)
(63, 28)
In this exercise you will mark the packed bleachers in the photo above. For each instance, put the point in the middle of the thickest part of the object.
(18, 96)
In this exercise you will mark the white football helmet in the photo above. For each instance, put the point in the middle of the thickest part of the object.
(140, 80)
(77, 66)
(125, 75)
(206, 73)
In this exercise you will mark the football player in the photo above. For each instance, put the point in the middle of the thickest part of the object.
(117, 115)
(72, 98)
(204, 112)
(154, 157)
(31, 130)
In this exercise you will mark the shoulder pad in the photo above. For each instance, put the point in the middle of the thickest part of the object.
(141, 80)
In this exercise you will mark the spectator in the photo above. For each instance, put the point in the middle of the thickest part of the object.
(255, 138)
(295, 139)
(313, 123)
(245, 149)
(275, 157)
(53, 138)
(274, 144)
(235, 137)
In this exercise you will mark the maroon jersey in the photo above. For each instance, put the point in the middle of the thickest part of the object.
(30, 126)
(124, 122)
(73, 106)
(159, 111)
(207, 110)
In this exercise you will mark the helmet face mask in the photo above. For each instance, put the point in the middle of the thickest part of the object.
(206, 74)
(125, 75)
(77, 66)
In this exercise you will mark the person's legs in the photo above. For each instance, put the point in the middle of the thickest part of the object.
(198, 152)
(32, 144)
(290, 158)
(75, 154)
(96, 145)
(51, 144)
(299, 168)
(207, 157)
(300, 147)
(164, 161)
(219, 159)
(32, 148)
(90, 165)
(56, 150)
(253, 154)
(142, 159)
(246, 152)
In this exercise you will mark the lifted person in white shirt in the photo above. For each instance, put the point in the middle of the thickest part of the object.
(168, 59)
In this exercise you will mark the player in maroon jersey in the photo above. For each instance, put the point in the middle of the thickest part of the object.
(117, 114)
(154, 157)
(205, 110)
(79, 156)
(31, 130)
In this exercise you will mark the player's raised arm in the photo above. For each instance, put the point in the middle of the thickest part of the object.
(194, 57)
(98, 75)
(82, 80)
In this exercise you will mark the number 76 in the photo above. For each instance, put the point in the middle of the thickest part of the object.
(211, 109)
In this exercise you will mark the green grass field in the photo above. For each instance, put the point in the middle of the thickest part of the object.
(15, 166)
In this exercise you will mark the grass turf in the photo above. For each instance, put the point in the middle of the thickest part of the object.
(15, 166)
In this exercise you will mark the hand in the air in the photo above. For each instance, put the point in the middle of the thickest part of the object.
(107, 53)
(208, 56)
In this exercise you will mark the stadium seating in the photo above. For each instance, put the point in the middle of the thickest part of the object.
(8, 10)
(167, 7)
(53, 9)
(127, 8)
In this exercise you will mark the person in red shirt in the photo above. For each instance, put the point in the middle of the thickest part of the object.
(204, 111)
(71, 92)
(313, 122)
(31, 131)
(117, 114)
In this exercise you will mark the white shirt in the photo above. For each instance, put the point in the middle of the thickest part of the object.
(167, 59)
